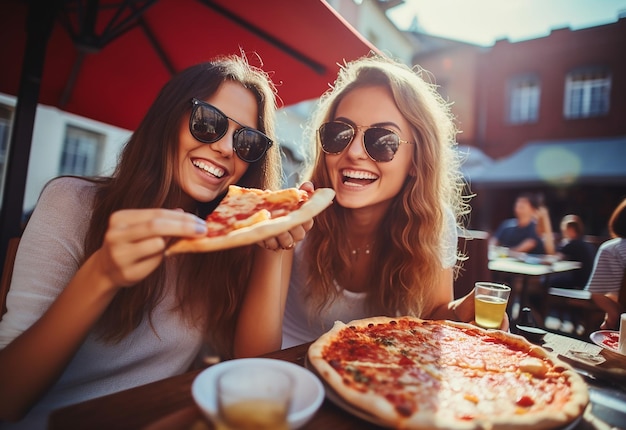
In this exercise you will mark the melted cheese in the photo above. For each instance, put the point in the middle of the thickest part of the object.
(446, 370)
(243, 207)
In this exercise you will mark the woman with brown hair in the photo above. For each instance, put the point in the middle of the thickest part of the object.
(94, 306)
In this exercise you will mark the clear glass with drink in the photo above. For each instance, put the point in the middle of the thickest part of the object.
(490, 301)
(253, 398)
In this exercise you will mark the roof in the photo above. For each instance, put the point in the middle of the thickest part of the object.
(560, 162)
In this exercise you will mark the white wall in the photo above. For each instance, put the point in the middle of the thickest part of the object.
(47, 145)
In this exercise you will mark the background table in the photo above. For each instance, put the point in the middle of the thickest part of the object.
(526, 271)
(517, 267)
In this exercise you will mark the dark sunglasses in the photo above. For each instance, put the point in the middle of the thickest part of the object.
(208, 124)
(381, 144)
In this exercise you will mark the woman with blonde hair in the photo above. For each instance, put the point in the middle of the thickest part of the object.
(385, 142)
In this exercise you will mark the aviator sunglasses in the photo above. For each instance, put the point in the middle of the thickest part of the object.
(380, 144)
(208, 124)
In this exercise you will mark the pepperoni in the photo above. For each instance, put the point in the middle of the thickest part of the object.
(402, 405)
(525, 402)
(611, 340)
(406, 361)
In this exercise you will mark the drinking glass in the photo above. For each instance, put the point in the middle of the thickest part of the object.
(490, 301)
(253, 397)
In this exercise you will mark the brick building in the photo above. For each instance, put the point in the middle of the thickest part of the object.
(550, 111)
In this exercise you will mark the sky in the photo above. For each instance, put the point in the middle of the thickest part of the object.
(484, 21)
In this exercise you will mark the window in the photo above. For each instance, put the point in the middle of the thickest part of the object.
(81, 152)
(587, 93)
(524, 92)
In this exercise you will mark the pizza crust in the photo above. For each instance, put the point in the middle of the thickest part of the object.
(364, 401)
(317, 202)
(373, 404)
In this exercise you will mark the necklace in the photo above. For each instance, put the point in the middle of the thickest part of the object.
(364, 249)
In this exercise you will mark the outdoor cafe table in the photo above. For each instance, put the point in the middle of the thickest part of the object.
(528, 270)
(168, 404)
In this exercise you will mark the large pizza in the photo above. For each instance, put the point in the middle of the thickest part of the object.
(423, 374)
(249, 215)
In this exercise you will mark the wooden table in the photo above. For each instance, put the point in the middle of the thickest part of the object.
(168, 404)
(525, 271)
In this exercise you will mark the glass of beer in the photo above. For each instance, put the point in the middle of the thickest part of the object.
(253, 398)
(490, 301)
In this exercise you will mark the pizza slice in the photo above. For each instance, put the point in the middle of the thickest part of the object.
(249, 215)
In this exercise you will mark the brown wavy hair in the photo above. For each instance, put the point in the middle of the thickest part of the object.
(209, 286)
(406, 261)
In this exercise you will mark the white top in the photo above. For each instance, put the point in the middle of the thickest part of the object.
(302, 323)
(608, 267)
(49, 254)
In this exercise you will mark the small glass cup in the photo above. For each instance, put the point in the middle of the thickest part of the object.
(253, 398)
(490, 300)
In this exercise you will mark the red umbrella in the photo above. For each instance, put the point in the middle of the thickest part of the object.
(107, 59)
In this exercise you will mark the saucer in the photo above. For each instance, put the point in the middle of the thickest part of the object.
(308, 390)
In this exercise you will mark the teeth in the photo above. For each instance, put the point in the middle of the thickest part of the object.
(217, 172)
(359, 174)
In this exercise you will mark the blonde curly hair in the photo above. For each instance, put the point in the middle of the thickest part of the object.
(407, 257)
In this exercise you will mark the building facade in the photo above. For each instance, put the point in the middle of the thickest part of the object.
(551, 114)
(568, 85)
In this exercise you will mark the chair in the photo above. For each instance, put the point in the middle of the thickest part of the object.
(586, 315)
(475, 245)
(7, 273)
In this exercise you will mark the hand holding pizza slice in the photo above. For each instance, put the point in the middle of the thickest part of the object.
(248, 215)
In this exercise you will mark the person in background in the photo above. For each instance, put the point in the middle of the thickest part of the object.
(544, 227)
(573, 248)
(609, 269)
(524, 232)
(94, 307)
(385, 142)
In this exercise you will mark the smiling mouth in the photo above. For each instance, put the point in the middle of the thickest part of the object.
(358, 177)
(209, 168)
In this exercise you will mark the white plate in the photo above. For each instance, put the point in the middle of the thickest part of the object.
(598, 337)
(308, 391)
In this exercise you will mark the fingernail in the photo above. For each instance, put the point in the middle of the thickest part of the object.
(201, 228)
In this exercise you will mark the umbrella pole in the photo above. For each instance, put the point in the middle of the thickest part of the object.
(41, 15)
